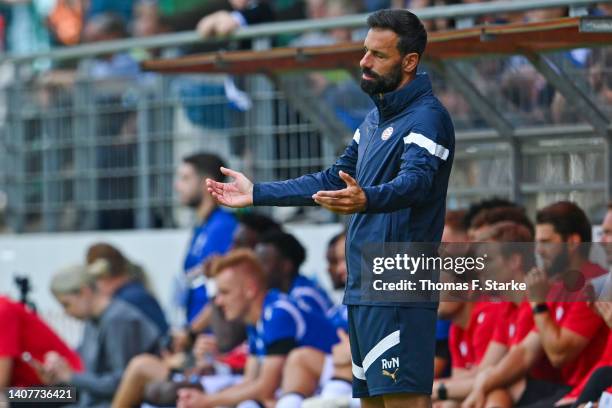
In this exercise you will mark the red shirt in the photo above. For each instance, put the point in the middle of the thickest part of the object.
(580, 319)
(605, 360)
(559, 292)
(513, 324)
(468, 346)
(23, 331)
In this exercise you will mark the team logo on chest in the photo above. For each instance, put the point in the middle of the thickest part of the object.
(386, 134)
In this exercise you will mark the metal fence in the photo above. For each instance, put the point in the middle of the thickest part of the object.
(80, 153)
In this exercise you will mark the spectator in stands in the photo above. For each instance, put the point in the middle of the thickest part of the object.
(569, 334)
(214, 225)
(106, 27)
(114, 332)
(281, 256)
(243, 13)
(25, 341)
(599, 79)
(604, 9)
(23, 28)
(122, 8)
(118, 278)
(276, 326)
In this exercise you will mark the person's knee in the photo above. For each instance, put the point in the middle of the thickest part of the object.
(499, 398)
(143, 364)
(303, 356)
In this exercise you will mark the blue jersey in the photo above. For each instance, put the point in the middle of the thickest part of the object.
(214, 236)
(401, 156)
(338, 316)
(307, 291)
(283, 319)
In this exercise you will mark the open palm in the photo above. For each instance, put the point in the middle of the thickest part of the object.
(237, 194)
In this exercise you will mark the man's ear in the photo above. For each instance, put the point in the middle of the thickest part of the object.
(410, 63)
(573, 243)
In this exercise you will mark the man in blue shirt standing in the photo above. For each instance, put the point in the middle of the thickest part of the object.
(214, 228)
(393, 178)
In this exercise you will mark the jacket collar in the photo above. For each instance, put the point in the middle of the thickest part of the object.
(391, 103)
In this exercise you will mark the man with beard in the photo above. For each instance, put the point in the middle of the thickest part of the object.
(566, 331)
(602, 285)
(393, 179)
(214, 226)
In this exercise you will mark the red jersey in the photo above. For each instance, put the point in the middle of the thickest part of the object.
(606, 360)
(515, 323)
(23, 331)
(468, 346)
(580, 319)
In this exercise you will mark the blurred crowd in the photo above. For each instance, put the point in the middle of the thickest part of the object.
(258, 333)
(36, 25)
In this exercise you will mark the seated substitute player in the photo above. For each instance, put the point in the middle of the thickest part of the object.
(393, 177)
(307, 368)
(483, 339)
(281, 256)
(600, 377)
(276, 325)
(569, 334)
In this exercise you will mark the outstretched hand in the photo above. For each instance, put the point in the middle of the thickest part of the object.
(237, 194)
(349, 200)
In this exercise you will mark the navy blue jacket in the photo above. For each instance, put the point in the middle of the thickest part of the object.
(401, 156)
(137, 295)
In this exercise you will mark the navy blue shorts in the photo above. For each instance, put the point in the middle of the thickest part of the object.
(393, 349)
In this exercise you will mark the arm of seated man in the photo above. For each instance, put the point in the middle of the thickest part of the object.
(6, 367)
(564, 342)
(513, 366)
(261, 380)
(459, 385)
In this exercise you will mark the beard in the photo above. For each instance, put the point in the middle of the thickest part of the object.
(559, 263)
(381, 83)
(195, 201)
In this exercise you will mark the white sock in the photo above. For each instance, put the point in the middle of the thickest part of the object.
(355, 403)
(249, 404)
(337, 388)
(291, 400)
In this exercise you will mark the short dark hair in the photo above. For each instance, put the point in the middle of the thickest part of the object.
(485, 204)
(494, 215)
(335, 238)
(508, 233)
(410, 30)
(287, 245)
(454, 220)
(206, 164)
(259, 223)
(567, 219)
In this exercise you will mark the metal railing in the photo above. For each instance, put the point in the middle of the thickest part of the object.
(100, 154)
